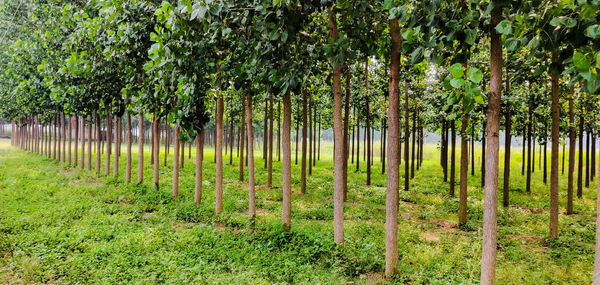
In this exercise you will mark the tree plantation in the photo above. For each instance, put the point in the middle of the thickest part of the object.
(288, 141)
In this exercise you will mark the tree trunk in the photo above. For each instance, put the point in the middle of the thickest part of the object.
(319, 143)
(286, 207)
(562, 169)
(219, 151)
(473, 149)
(507, 142)
(368, 122)
(270, 171)
(357, 141)
(251, 194)
(413, 148)
(117, 146)
(338, 191)
(593, 156)
(129, 142)
(345, 144)
(304, 130)
(452, 157)
(64, 137)
(265, 131)
(528, 183)
(155, 149)
(97, 144)
(464, 169)
(242, 137)
(596, 275)
(391, 201)
(444, 149)
(231, 138)
(383, 141)
(297, 136)
(580, 159)
(167, 129)
(278, 131)
(533, 152)
(198, 178)
(554, 153)
(176, 151)
(108, 142)
(571, 153)
(490, 200)
(587, 159)
(353, 136)
(406, 137)
(140, 147)
(523, 156)
(83, 138)
(182, 157)
(310, 135)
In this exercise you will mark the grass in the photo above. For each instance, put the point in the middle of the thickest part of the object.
(59, 224)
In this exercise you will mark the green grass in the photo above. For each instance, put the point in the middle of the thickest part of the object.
(63, 225)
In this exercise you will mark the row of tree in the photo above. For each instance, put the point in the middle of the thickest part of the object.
(90, 65)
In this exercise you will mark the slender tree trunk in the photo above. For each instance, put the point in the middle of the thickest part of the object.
(554, 153)
(464, 168)
(572, 139)
(596, 275)
(64, 137)
(70, 139)
(98, 145)
(242, 137)
(444, 149)
(587, 159)
(231, 138)
(490, 200)
(198, 178)
(507, 148)
(562, 170)
(219, 152)
(270, 171)
(533, 152)
(319, 143)
(297, 136)
(108, 142)
(452, 157)
(473, 149)
(278, 131)
(89, 145)
(251, 194)
(391, 204)
(338, 191)
(593, 156)
(304, 131)
(353, 135)
(156, 150)
(117, 146)
(176, 152)
(345, 144)
(368, 122)
(310, 135)
(182, 153)
(528, 185)
(406, 137)
(413, 148)
(129, 142)
(167, 130)
(357, 142)
(265, 131)
(83, 138)
(580, 159)
(286, 207)
(383, 141)
(140, 147)
(523, 156)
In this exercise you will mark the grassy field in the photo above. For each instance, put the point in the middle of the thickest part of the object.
(63, 225)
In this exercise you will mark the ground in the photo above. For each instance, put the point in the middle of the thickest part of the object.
(59, 224)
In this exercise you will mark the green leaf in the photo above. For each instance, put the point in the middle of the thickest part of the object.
(456, 70)
(511, 44)
(593, 31)
(581, 62)
(457, 82)
(447, 85)
(471, 36)
(598, 60)
(593, 84)
(504, 27)
(479, 98)
(475, 75)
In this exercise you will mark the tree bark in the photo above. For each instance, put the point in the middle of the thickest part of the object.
(391, 201)
(304, 131)
(523, 152)
(383, 148)
(528, 182)
(345, 144)
(587, 159)
(219, 151)
(198, 176)
(129, 142)
(270, 171)
(452, 157)
(490, 200)
(108, 142)
(279, 131)
(176, 151)
(507, 148)
(156, 150)
(464, 169)
(286, 207)
(338, 191)
(444, 149)
(406, 137)
(580, 158)
(413, 148)
(97, 144)
(310, 135)
(242, 137)
(140, 147)
(250, 133)
(117, 146)
(554, 153)
(571, 153)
